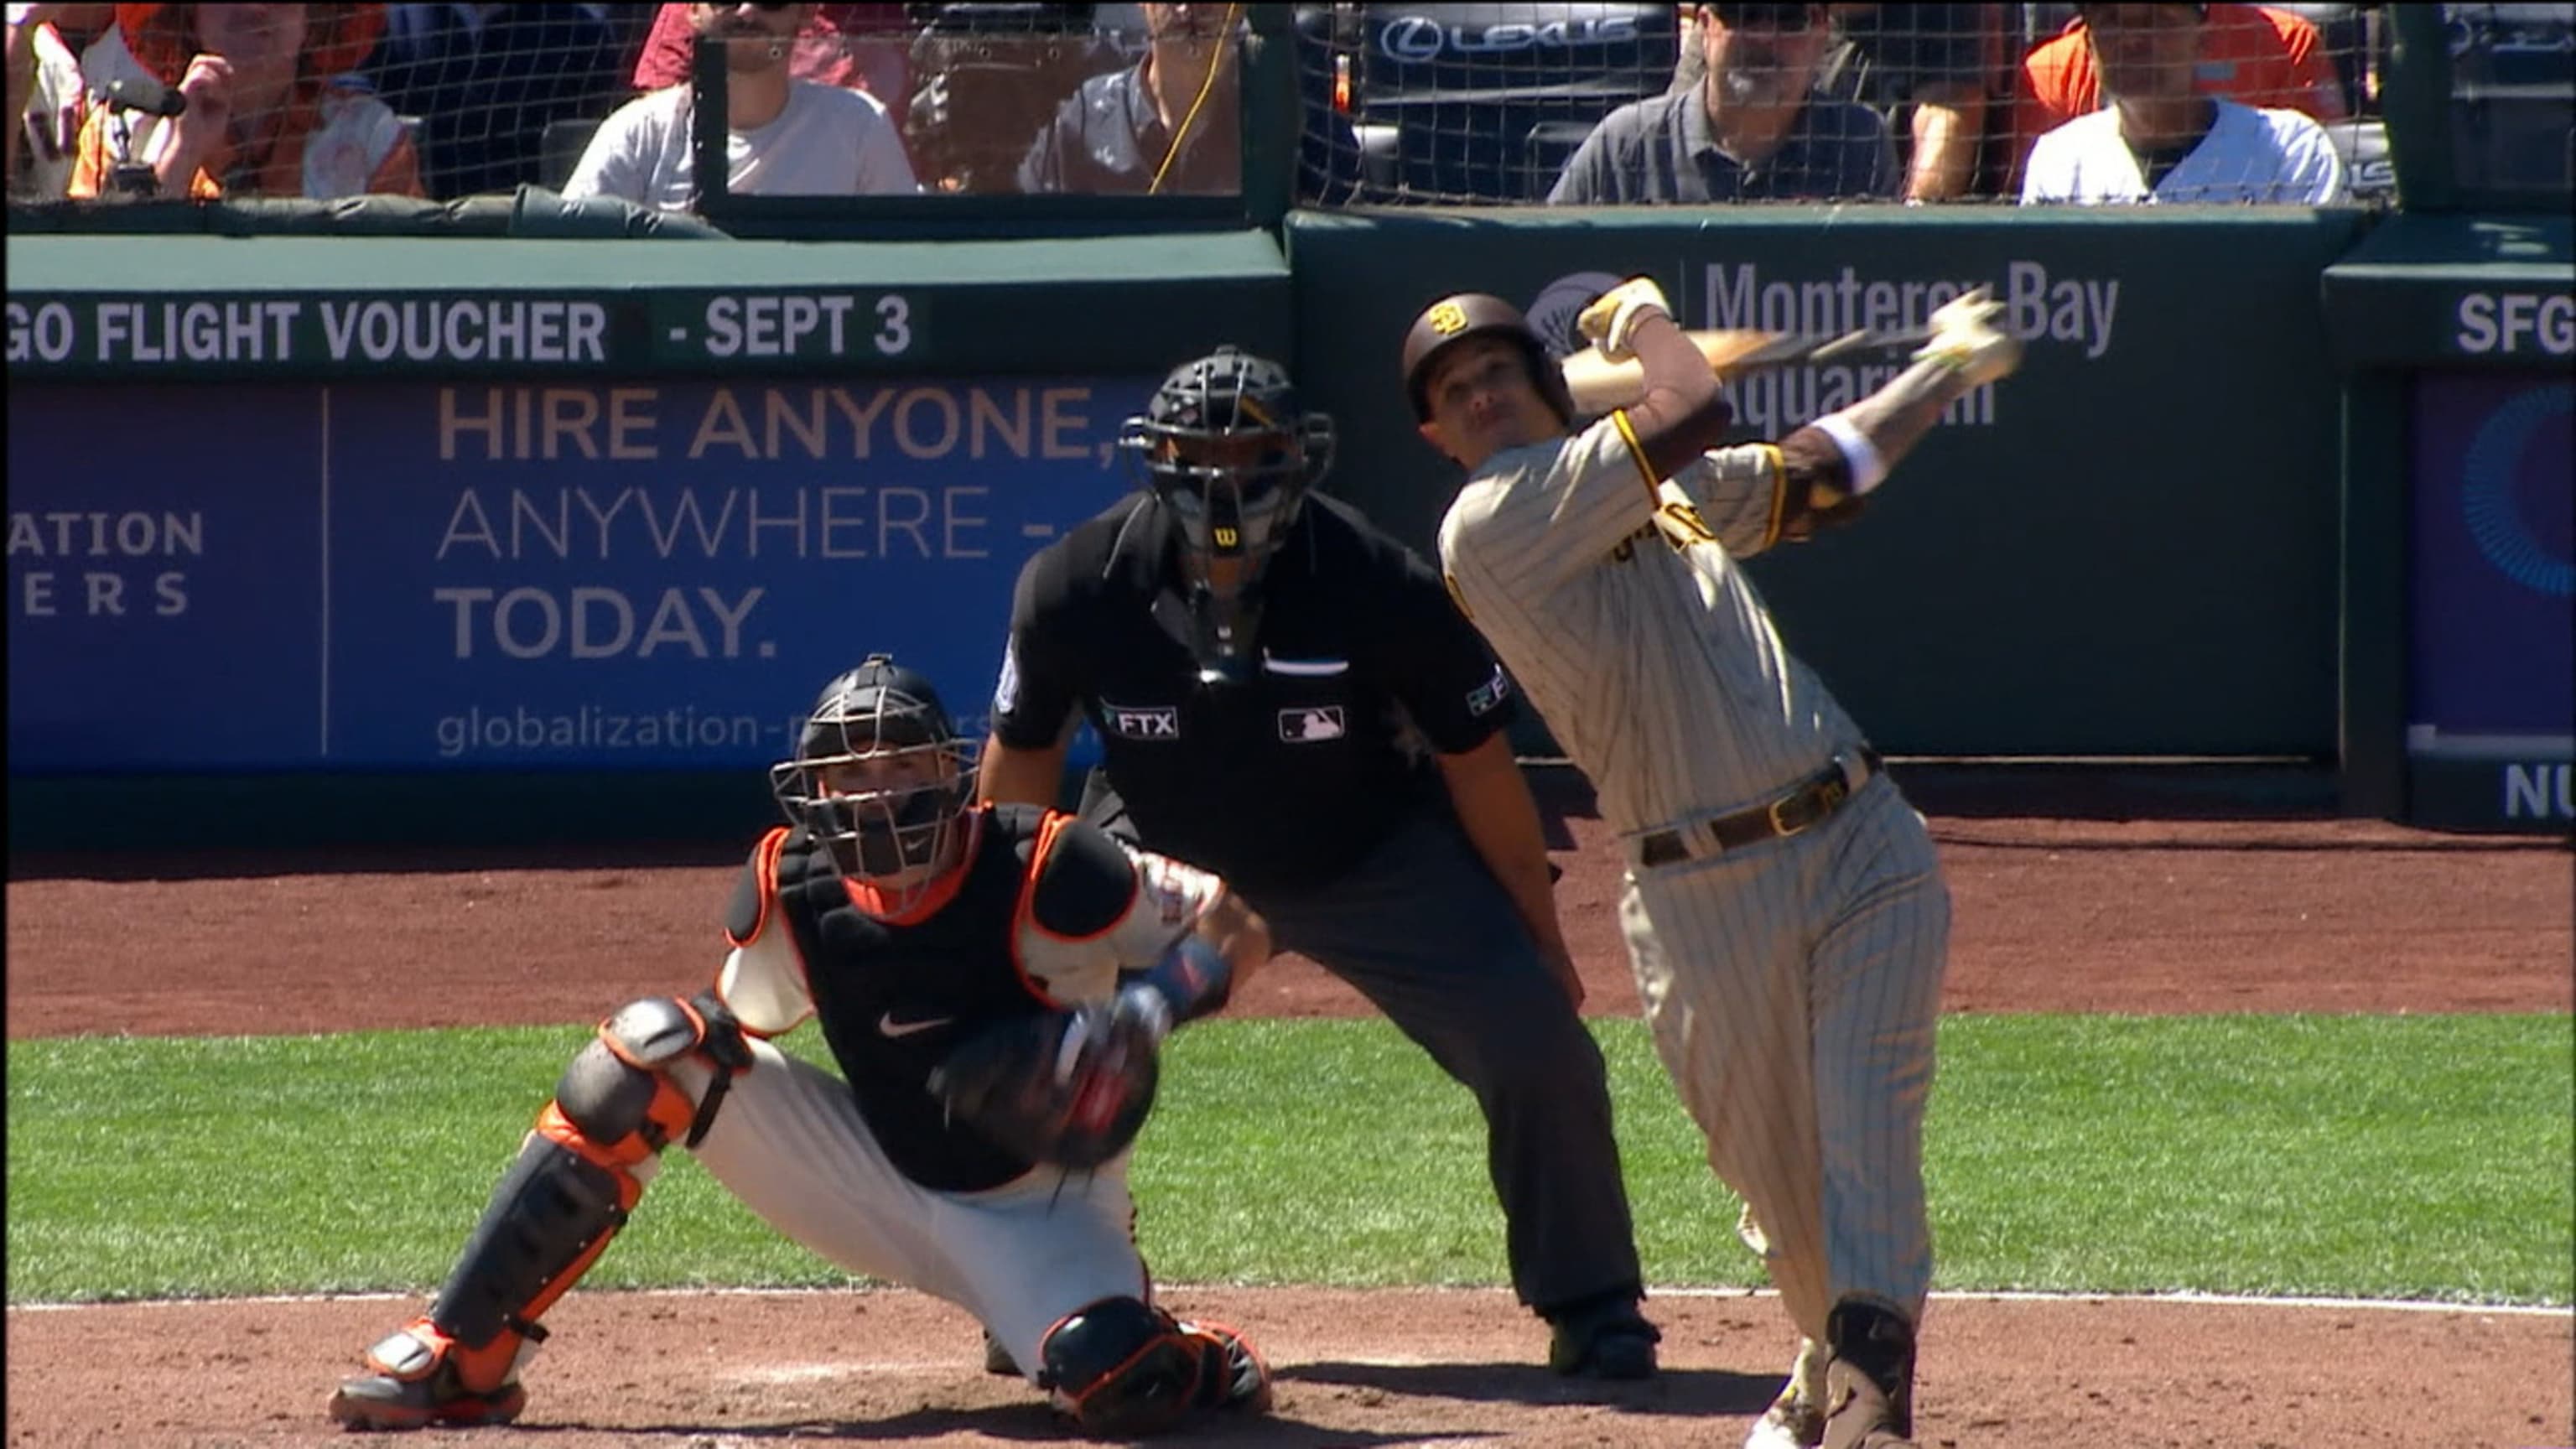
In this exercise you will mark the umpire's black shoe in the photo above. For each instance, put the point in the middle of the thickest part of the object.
(1605, 1339)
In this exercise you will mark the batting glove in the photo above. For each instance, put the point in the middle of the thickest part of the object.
(1611, 318)
(1966, 341)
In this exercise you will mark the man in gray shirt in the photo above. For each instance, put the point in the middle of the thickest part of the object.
(1753, 130)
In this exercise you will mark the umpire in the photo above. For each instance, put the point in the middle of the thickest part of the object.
(1287, 696)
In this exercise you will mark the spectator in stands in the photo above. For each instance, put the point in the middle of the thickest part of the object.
(860, 47)
(1930, 70)
(273, 106)
(49, 98)
(486, 81)
(987, 78)
(2162, 139)
(1169, 124)
(785, 137)
(1753, 129)
(2252, 54)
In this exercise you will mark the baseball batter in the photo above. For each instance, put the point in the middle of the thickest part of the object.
(1783, 908)
(921, 929)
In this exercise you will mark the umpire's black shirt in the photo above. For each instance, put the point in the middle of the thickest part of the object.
(1286, 780)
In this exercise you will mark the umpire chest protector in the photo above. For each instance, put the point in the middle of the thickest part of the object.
(895, 996)
(1290, 777)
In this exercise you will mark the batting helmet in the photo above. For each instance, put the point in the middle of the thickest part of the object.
(1455, 319)
(879, 776)
(1226, 445)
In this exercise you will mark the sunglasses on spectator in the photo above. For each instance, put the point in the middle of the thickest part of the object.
(1765, 17)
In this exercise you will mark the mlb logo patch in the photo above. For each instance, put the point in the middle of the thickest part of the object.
(1310, 725)
(1487, 697)
(1145, 722)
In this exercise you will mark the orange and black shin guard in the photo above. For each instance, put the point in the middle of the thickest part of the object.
(549, 1219)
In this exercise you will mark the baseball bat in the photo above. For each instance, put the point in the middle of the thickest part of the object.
(1599, 384)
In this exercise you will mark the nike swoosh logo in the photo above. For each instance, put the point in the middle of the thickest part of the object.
(892, 1027)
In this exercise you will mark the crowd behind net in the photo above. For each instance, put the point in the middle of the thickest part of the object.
(1401, 104)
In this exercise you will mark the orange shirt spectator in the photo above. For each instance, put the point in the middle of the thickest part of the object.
(2253, 54)
(272, 107)
(861, 47)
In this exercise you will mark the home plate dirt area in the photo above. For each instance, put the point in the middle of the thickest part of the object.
(2095, 913)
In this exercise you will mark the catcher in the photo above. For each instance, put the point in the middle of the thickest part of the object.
(994, 982)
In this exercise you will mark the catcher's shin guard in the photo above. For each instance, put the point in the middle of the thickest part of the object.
(1125, 1370)
(578, 1175)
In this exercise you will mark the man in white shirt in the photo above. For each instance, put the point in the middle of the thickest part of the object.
(2159, 140)
(784, 137)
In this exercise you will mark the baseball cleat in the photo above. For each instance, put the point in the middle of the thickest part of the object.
(1796, 1419)
(997, 1359)
(1869, 1381)
(413, 1382)
(1609, 1340)
(1233, 1377)
(1792, 1422)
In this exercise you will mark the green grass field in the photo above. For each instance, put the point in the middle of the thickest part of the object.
(2416, 1157)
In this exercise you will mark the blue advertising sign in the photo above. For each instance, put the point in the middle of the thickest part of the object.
(2494, 566)
(392, 576)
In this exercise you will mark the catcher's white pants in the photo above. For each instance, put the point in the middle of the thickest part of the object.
(788, 1140)
(1793, 987)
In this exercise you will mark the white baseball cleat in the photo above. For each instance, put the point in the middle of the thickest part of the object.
(1796, 1419)
(1790, 1423)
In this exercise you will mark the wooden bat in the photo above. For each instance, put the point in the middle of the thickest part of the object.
(1598, 384)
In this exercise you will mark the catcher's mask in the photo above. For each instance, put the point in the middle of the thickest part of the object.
(1456, 319)
(1225, 446)
(880, 778)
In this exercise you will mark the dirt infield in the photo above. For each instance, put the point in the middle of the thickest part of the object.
(2171, 915)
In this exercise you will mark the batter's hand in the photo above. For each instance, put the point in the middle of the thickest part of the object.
(1965, 340)
(1611, 318)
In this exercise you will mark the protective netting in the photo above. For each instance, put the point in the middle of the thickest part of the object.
(1401, 104)
(1616, 103)
(331, 100)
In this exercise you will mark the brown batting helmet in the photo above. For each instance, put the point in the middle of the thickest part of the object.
(1455, 319)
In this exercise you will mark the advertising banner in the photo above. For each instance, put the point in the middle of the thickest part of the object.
(2492, 663)
(2124, 549)
(497, 576)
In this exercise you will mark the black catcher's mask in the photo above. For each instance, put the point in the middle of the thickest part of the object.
(880, 777)
(1226, 446)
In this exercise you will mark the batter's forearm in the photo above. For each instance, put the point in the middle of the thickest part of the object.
(1684, 412)
(1890, 421)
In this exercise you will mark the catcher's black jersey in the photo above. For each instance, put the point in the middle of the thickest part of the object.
(1043, 913)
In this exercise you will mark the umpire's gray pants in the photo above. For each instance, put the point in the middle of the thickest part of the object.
(1421, 928)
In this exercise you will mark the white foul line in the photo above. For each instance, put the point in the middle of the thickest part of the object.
(2214, 1300)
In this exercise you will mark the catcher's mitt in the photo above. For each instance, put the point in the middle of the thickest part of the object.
(1065, 1088)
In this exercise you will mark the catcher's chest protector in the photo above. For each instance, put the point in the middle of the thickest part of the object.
(895, 997)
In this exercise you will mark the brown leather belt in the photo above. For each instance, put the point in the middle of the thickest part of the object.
(1815, 797)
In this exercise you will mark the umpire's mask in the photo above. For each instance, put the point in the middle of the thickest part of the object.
(880, 778)
(1225, 446)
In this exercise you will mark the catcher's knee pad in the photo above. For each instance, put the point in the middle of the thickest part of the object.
(1124, 1369)
(584, 1167)
(618, 1092)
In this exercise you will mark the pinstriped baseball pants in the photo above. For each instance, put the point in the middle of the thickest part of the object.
(1793, 987)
